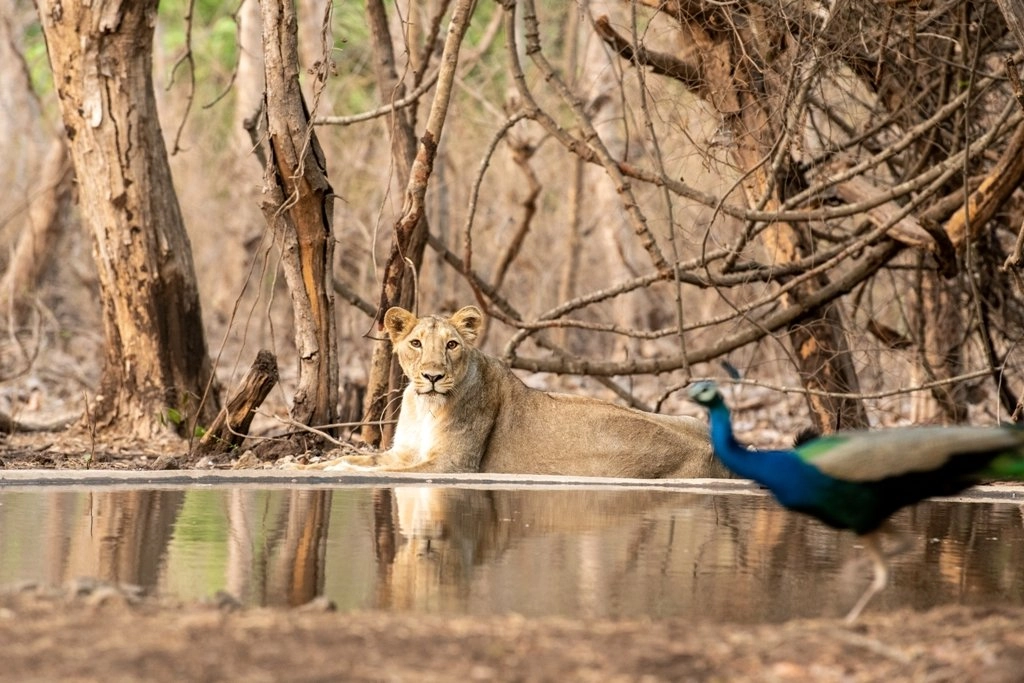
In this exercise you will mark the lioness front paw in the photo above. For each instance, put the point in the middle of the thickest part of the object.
(352, 463)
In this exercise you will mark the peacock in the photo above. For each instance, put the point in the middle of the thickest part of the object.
(856, 480)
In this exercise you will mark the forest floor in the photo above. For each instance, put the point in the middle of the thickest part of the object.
(87, 631)
(100, 633)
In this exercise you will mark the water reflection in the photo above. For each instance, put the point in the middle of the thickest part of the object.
(570, 552)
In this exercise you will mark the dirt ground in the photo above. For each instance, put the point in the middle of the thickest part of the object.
(100, 633)
(96, 632)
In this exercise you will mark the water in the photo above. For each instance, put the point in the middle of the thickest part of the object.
(536, 551)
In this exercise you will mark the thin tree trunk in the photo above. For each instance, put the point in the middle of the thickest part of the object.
(46, 218)
(157, 367)
(410, 233)
(384, 378)
(941, 351)
(299, 206)
(25, 131)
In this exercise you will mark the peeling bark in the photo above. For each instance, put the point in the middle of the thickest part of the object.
(299, 206)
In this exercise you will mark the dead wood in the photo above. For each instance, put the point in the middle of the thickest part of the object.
(231, 426)
(997, 187)
(10, 425)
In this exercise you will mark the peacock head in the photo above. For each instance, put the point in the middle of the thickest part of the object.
(705, 393)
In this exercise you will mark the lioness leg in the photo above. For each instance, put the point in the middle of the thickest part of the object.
(363, 462)
(388, 461)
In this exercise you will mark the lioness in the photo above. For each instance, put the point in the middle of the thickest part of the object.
(465, 411)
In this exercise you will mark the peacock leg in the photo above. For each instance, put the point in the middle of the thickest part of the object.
(873, 543)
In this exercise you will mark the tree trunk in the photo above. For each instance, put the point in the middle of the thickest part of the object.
(299, 206)
(46, 218)
(941, 355)
(384, 381)
(738, 81)
(415, 165)
(157, 369)
(25, 129)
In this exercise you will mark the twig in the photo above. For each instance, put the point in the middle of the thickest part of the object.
(188, 58)
(306, 428)
(857, 395)
(407, 101)
(1014, 259)
(874, 257)
(595, 148)
(659, 162)
(1014, 78)
(474, 195)
(521, 153)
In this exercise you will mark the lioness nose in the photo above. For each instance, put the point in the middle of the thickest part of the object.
(433, 379)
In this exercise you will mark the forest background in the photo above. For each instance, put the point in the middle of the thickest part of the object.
(820, 199)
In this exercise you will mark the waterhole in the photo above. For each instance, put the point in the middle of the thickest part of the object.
(534, 551)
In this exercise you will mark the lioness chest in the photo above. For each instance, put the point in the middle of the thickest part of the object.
(420, 430)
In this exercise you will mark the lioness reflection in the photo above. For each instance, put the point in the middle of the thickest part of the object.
(453, 543)
(465, 411)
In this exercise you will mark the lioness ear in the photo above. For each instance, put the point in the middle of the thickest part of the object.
(468, 321)
(398, 322)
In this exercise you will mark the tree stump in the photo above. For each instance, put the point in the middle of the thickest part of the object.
(231, 426)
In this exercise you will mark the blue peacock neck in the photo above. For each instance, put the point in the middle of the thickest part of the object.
(781, 471)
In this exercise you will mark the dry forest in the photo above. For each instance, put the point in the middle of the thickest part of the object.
(210, 205)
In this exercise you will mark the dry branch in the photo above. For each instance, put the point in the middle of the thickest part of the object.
(596, 149)
(906, 229)
(423, 163)
(660, 63)
(521, 153)
(231, 426)
(875, 257)
(1013, 13)
(997, 187)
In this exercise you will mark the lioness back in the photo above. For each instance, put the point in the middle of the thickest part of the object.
(575, 435)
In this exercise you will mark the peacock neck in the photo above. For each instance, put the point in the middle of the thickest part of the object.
(763, 466)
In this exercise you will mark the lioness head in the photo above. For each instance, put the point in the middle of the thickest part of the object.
(433, 350)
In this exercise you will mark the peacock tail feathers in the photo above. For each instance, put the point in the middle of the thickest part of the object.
(1005, 466)
(873, 456)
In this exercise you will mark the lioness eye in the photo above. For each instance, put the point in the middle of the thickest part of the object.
(415, 343)
(452, 344)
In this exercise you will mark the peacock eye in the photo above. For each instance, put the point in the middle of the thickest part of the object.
(452, 344)
(415, 343)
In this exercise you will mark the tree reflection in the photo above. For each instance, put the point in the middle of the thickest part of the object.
(574, 552)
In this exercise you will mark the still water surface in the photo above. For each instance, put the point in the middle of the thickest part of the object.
(576, 553)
